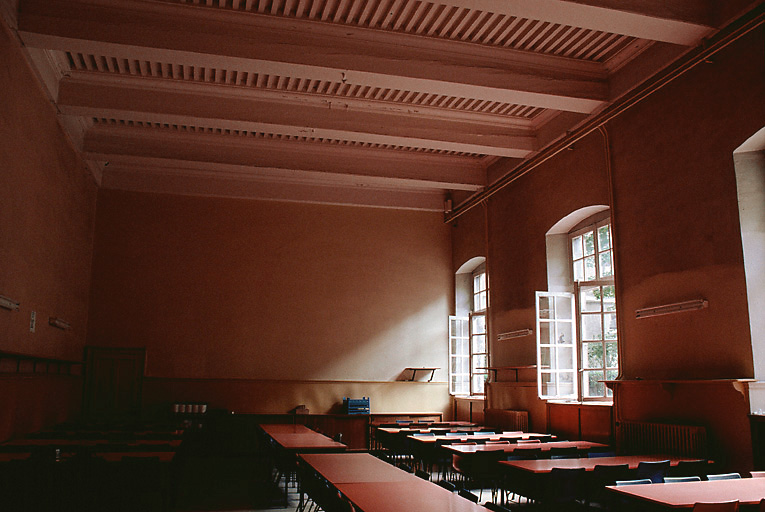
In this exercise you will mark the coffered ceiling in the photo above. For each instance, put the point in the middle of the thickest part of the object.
(393, 103)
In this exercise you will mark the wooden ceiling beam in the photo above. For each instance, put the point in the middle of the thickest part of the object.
(288, 159)
(201, 107)
(239, 41)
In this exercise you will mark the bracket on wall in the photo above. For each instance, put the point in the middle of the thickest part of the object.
(415, 370)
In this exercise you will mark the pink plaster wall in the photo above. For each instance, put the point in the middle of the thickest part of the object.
(47, 209)
(676, 233)
(240, 289)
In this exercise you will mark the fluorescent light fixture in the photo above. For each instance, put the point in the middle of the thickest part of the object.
(57, 322)
(514, 334)
(8, 303)
(667, 309)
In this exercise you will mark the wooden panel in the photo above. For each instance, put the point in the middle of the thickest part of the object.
(595, 423)
(113, 382)
(563, 420)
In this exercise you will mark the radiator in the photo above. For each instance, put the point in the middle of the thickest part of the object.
(506, 419)
(648, 438)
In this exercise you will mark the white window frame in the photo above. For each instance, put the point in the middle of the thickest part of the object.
(473, 381)
(553, 323)
(580, 355)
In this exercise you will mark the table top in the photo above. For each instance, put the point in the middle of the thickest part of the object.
(285, 428)
(468, 449)
(353, 468)
(423, 430)
(504, 436)
(89, 442)
(413, 494)
(108, 456)
(546, 465)
(748, 491)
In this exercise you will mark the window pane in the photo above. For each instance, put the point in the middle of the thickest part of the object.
(549, 383)
(610, 375)
(609, 298)
(604, 238)
(612, 360)
(609, 320)
(479, 344)
(564, 332)
(545, 333)
(478, 384)
(565, 358)
(589, 268)
(479, 324)
(479, 362)
(576, 247)
(593, 387)
(544, 356)
(605, 264)
(482, 301)
(566, 383)
(462, 347)
(579, 270)
(563, 308)
(591, 327)
(592, 355)
(545, 307)
(589, 243)
(589, 299)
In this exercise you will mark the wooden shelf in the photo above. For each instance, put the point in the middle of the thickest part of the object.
(515, 368)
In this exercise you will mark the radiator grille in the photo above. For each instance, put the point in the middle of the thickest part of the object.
(647, 438)
(507, 419)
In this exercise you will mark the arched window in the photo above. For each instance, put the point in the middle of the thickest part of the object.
(576, 319)
(468, 351)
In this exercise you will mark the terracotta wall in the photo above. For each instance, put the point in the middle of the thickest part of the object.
(264, 291)
(47, 207)
(676, 234)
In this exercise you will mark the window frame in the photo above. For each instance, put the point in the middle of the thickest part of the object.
(585, 339)
(478, 361)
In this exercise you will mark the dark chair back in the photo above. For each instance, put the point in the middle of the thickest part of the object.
(655, 471)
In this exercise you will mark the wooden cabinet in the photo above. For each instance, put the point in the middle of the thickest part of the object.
(581, 421)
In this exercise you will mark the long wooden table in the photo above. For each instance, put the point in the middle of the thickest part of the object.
(300, 439)
(748, 491)
(376, 486)
(463, 449)
(530, 477)
(353, 468)
(539, 466)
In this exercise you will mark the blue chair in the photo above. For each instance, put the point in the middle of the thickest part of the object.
(653, 470)
(594, 455)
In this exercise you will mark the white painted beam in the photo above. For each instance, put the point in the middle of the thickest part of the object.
(293, 159)
(201, 107)
(230, 40)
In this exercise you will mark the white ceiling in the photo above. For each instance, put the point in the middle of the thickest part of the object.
(392, 103)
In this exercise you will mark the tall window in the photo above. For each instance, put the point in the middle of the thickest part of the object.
(468, 334)
(577, 332)
(478, 357)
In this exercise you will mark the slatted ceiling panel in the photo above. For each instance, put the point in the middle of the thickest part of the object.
(436, 20)
(169, 71)
(132, 123)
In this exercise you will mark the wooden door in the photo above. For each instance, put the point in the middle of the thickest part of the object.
(113, 382)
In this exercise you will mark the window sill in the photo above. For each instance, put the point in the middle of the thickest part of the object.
(602, 403)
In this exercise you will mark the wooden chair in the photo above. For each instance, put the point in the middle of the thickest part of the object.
(723, 506)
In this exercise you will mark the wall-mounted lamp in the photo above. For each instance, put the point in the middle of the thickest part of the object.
(59, 324)
(667, 309)
(8, 303)
(514, 334)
